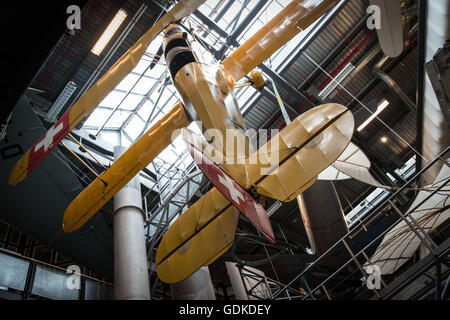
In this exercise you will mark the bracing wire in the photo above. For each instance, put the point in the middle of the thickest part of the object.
(365, 107)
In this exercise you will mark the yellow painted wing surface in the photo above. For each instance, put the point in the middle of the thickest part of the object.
(308, 145)
(128, 165)
(320, 135)
(90, 100)
(199, 236)
(291, 161)
(295, 17)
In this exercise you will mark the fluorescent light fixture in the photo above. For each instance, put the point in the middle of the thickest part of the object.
(337, 81)
(61, 101)
(274, 207)
(380, 108)
(109, 32)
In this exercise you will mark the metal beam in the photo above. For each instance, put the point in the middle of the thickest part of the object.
(232, 38)
(211, 24)
(266, 92)
(421, 42)
(311, 36)
(377, 69)
(292, 91)
(337, 49)
(224, 10)
(144, 99)
(307, 40)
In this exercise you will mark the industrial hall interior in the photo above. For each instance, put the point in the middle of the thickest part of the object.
(225, 150)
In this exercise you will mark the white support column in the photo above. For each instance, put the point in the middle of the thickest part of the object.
(131, 281)
(196, 287)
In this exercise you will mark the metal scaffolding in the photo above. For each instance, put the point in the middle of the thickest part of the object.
(177, 183)
(263, 287)
(358, 259)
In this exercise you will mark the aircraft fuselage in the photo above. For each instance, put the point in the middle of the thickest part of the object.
(207, 93)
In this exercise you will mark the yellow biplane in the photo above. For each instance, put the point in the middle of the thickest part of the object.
(282, 169)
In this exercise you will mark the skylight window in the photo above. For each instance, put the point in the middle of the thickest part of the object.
(98, 115)
(146, 95)
(112, 99)
(117, 119)
(128, 82)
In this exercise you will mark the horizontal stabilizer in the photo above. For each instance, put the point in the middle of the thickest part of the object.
(315, 139)
(359, 173)
(352, 163)
(198, 237)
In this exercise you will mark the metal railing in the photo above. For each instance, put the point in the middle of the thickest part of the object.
(261, 287)
(356, 258)
(36, 279)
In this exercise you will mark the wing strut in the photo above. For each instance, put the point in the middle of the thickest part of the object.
(136, 158)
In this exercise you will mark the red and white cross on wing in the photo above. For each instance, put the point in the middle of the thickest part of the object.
(48, 142)
(246, 204)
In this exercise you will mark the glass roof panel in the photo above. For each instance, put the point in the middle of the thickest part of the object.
(146, 109)
(143, 85)
(118, 118)
(128, 82)
(162, 95)
(131, 102)
(97, 116)
(142, 66)
(124, 140)
(112, 99)
(156, 72)
(134, 128)
(111, 137)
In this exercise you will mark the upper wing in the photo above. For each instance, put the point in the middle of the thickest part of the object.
(128, 165)
(90, 100)
(297, 16)
(291, 160)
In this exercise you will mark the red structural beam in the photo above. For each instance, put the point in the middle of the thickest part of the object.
(358, 48)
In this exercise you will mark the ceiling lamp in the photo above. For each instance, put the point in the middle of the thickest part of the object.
(380, 108)
(109, 32)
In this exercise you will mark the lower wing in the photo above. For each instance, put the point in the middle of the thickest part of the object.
(128, 165)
